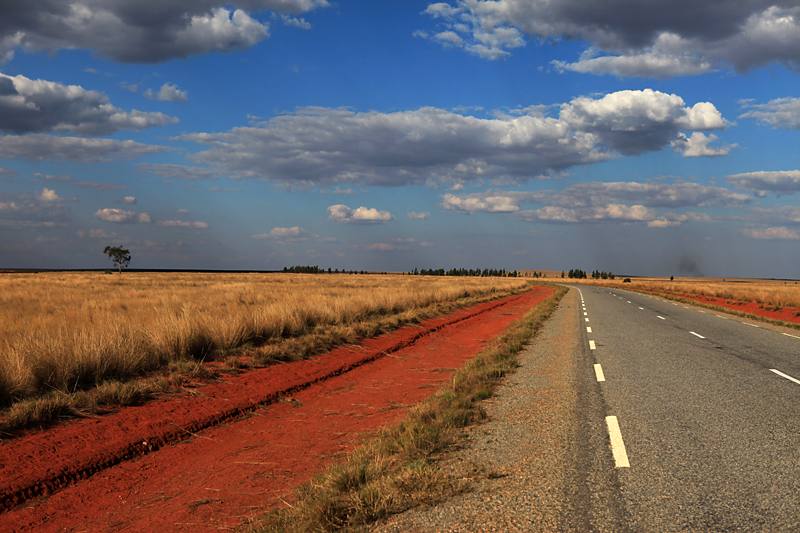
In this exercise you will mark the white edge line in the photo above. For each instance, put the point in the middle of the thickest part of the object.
(617, 445)
(792, 336)
(598, 371)
(781, 374)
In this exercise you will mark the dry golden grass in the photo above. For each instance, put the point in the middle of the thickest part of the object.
(768, 292)
(69, 331)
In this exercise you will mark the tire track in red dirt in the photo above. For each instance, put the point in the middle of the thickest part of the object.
(197, 464)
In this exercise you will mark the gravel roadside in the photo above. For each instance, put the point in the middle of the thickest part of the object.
(542, 458)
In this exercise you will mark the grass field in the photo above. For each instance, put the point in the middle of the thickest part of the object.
(68, 332)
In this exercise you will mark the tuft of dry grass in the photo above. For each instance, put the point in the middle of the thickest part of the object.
(57, 405)
(398, 469)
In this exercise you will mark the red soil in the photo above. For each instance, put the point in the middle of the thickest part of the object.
(787, 314)
(213, 459)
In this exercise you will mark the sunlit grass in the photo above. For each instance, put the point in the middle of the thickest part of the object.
(66, 332)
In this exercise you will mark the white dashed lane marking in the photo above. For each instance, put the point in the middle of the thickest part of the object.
(598, 371)
(588, 329)
(697, 334)
(592, 345)
(661, 317)
(617, 445)
(781, 374)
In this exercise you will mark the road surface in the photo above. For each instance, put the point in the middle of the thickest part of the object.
(702, 412)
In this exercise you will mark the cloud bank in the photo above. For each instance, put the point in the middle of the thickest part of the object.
(37, 106)
(140, 32)
(39, 146)
(762, 182)
(323, 146)
(660, 38)
(627, 202)
(778, 113)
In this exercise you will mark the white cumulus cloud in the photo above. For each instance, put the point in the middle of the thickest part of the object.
(35, 106)
(363, 215)
(115, 215)
(48, 195)
(167, 93)
(698, 145)
(486, 204)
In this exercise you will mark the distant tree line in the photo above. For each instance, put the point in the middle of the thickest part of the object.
(304, 270)
(485, 273)
(580, 274)
(317, 270)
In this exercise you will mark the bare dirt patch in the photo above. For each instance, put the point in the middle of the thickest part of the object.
(224, 452)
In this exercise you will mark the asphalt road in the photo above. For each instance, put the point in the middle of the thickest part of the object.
(707, 411)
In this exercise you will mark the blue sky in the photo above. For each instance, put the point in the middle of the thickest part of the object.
(656, 138)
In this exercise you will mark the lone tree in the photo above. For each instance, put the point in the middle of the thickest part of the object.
(119, 256)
